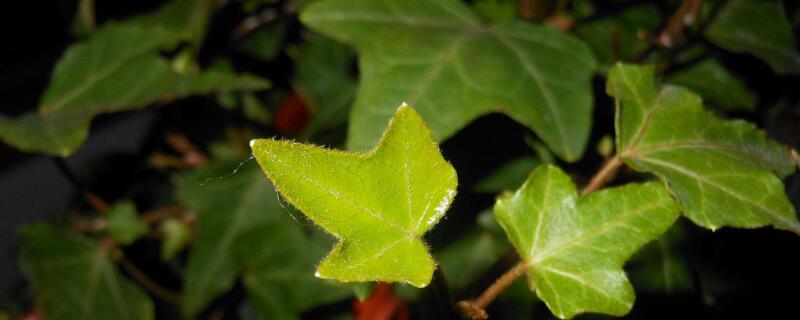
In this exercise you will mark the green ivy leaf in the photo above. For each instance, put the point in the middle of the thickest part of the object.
(74, 277)
(723, 173)
(442, 60)
(176, 236)
(600, 34)
(123, 223)
(229, 201)
(759, 28)
(117, 69)
(283, 290)
(716, 84)
(265, 42)
(378, 204)
(574, 246)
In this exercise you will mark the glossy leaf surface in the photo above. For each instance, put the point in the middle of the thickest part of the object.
(454, 69)
(574, 246)
(723, 172)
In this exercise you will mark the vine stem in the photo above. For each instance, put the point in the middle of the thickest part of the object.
(142, 278)
(608, 171)
(475, 308)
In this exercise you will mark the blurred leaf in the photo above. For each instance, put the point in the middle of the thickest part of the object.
(759, 28)
(323, 80)
(254, 110)
(378, 204)
(176, 236)
(362, 290)
(666, 132)
(605, 147)
(75, 279)
(600, 34)
(715, 84)
(659, 267)
(496, 11)
(186, 19)
(278, 273)
(509, 176)
(265, 42)
(542, 153)
(470, 256)
(574, 247)
(123, 223)
(230, 199)
(440, 58)
(117, 69)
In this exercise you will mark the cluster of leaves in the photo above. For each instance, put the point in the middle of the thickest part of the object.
(452, 62)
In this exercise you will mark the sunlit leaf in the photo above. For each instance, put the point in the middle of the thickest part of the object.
(378, 204)
(574, 247)
(723, 172)
(440, 58)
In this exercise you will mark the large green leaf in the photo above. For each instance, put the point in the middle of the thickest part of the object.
(278, 272)
(117, 69)
(759, 28)
(229, 202)
(437, 56)
(575, 246)
(723, 173)
(378, 204)
(74, 278)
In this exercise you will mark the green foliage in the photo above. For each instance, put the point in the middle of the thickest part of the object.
(453, 69)
(574, 247)
(242, 246)
(716, 85)
(377, 204)
(759, 28)
(723, 172)
(117, 69)
(226, 209)
(124, 224)
(76, 279)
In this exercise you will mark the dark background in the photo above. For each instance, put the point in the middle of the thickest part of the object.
(757, 272)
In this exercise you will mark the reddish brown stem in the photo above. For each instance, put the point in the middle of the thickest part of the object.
(606, 173)
(685, 15)
(140, 277)
(475, 309)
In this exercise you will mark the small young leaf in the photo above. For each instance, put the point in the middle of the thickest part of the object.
(759, 28)
(74, 278)
(723, 173)
(378, 204)
(229, 199)
(454, 69)
(176, 236)
(574, 246)
(124, 224)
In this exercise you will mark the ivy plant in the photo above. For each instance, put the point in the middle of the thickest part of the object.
(432, 159)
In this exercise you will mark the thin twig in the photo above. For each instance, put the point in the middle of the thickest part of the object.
(191, 154)
(685, 15)
(795, 156)
(608, 171)
(140, 277)
(475, 309)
